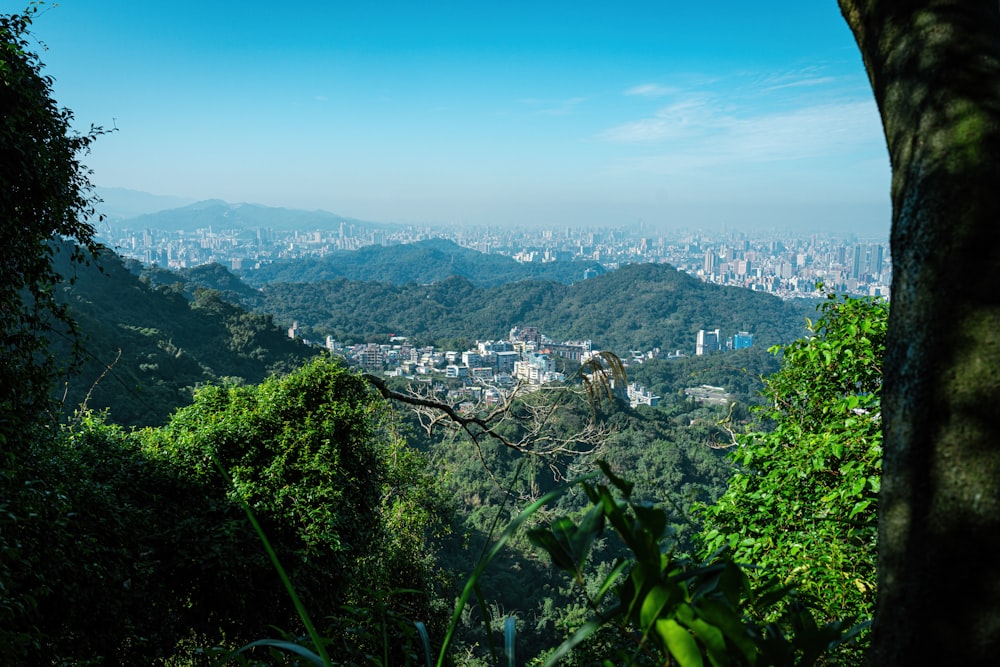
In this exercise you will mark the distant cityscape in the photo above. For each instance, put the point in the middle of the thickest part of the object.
(782, 264)
(492, 369)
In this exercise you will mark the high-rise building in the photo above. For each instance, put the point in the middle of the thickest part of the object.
(742, 340)
(711, 262)
(707, 342)
(859, 257)
(877, 260)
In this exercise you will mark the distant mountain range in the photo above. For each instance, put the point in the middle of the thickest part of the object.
(637, 307)
(218, 215)
(175, 330)
(120, 203)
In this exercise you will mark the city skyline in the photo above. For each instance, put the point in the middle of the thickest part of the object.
(780, 263)
(519, 114)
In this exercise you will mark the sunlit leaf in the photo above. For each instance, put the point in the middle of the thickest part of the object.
(680, 643)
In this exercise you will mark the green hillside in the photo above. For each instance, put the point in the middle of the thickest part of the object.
(144, 347)
(637, 307)
(423, 262)
(178, 334)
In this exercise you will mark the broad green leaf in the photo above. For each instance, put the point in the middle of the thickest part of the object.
(580, 636)
(588, 530)
(556, 549)
(282, 645)
(653, 519)
(509, 634)
(712, 639)
(859, 507)
(731, 625)
(680, 643)
(653, 605)
(611, 578)
(623, 485)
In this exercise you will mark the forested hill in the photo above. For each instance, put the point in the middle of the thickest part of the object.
(169, 342)
(422, 262)
(637, 307)
(217, 214)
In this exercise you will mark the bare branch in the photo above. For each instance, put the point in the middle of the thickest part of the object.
(523, 420)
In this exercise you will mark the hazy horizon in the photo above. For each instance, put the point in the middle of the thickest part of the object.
(120, 205)
(562, 114)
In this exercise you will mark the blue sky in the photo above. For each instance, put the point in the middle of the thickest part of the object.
(678, 114)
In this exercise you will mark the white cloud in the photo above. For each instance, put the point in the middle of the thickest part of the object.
(650, 90)
(684, 117)
(704, 128)
(808, 77)
(802, 83)
(814, 131)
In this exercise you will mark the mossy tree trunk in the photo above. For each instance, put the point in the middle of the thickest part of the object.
(934, 66)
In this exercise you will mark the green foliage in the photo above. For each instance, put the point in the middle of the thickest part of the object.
(740, 372)
(111, 538)
(430, 261)
(670, 460)
(128, 547)
(668, 609)
(145, 348)
(640, 306)
(45, 194)
(312, 456)
(803, 504)
(139, 529)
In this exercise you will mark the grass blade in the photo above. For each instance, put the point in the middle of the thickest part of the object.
(509, 633)
(426, 640)
(299, 607)
(501, 542)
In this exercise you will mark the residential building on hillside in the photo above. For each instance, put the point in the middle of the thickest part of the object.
(742, 340)
(707, 342)
(639, 395)
(574, 351)
(506, 361)
(371, 356)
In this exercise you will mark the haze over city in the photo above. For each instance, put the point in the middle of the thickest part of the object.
(543, 114)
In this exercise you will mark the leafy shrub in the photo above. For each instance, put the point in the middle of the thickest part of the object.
(803, 502)
(666, 608)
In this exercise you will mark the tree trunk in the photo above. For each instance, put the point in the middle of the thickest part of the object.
(934, 67)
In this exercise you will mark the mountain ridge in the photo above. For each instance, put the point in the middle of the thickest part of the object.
(220, 214)
(636, 307)
(422, 262)
(145, 346)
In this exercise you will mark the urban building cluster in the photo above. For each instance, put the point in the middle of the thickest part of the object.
(778, 263)
(709, 342)
(525, 357)
(781, 264)
(486, 373)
